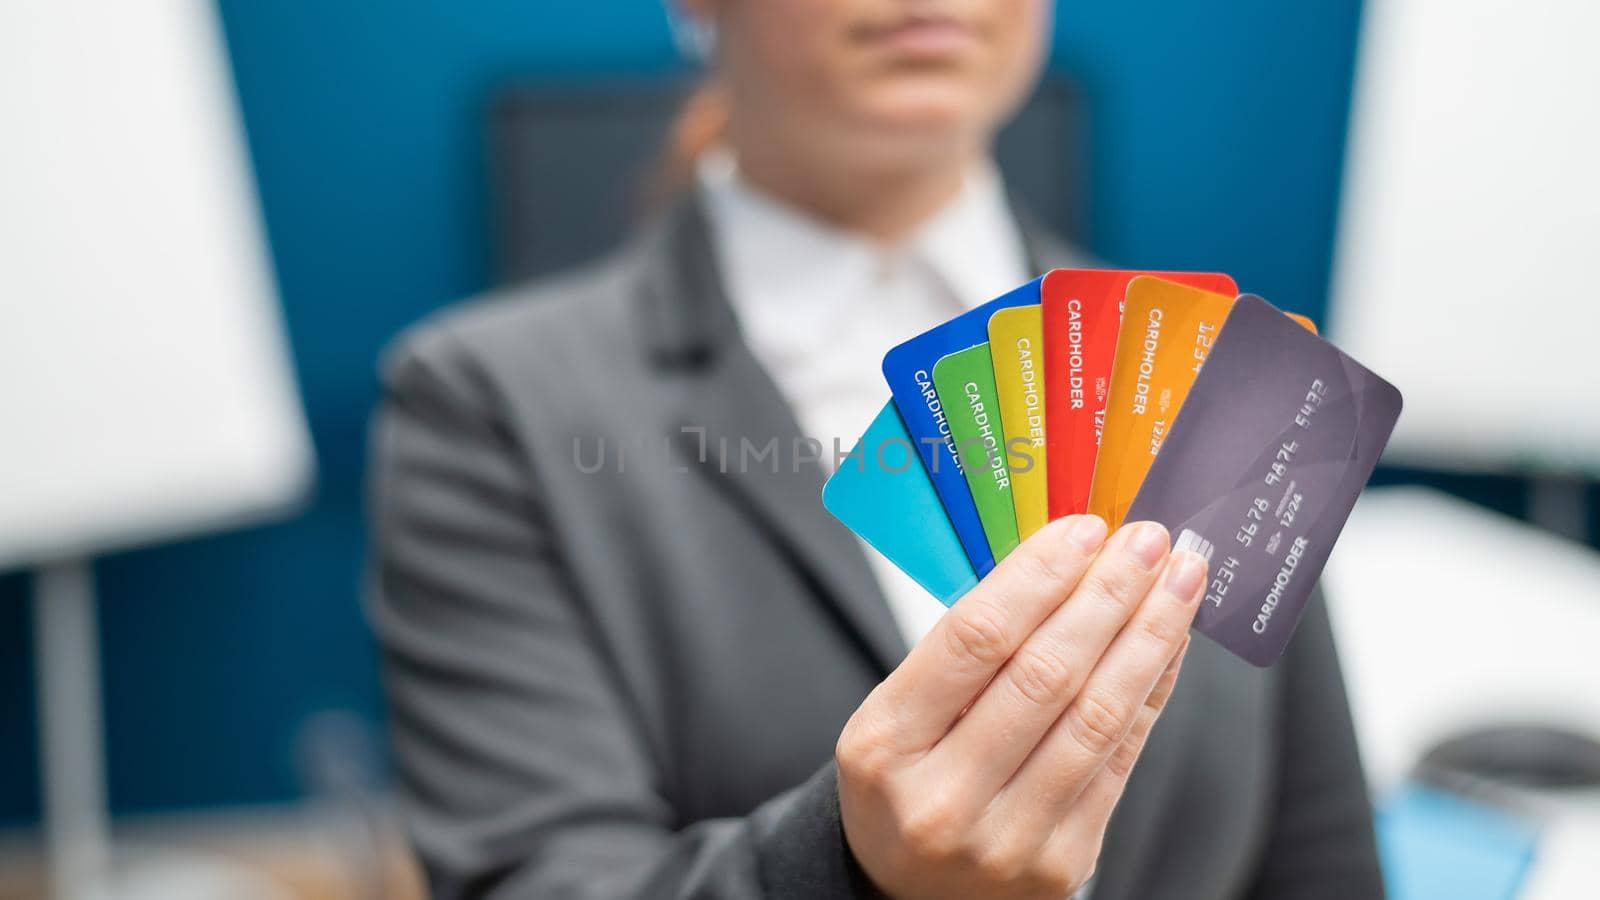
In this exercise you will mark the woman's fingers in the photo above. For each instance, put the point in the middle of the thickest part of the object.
(947, 669)
(1093, 729)
(1050, 669)
(1081, 832)
(1027, 676)
(1077, 828)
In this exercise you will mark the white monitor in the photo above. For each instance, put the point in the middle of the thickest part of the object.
(145, 384)
(1467, 263)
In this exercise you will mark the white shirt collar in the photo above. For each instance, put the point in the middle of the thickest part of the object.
(770, 252)
(819, 306)
(974, 243)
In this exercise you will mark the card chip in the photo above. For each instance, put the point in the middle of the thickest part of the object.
(1194, 543)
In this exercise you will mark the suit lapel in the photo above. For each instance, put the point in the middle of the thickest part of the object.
(731, 423)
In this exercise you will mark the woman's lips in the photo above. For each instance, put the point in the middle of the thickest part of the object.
(922, 38)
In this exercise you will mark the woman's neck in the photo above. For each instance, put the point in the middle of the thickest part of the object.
(885, 197)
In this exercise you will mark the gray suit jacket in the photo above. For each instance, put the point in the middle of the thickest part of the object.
(628, 682)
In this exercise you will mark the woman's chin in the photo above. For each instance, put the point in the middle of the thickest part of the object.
(929, 106)
(927, 119)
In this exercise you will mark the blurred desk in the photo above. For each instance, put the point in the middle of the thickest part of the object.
(1450, 617)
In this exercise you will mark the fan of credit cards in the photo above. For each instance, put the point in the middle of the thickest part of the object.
(1064, 396)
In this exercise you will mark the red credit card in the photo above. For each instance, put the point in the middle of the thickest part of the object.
(1082, 312)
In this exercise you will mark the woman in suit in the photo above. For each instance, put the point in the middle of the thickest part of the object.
(629, 655)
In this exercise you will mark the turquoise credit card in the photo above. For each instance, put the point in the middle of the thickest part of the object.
(883, 493)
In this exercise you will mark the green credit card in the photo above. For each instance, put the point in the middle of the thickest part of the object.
(964, 381)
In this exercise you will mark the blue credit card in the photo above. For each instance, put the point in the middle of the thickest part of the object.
(882, 493)
(909, 370)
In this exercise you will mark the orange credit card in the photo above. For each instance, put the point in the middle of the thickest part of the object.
(1167, 332)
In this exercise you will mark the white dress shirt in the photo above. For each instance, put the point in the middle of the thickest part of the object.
(820, 306)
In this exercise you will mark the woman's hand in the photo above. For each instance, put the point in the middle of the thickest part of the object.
(989, 762)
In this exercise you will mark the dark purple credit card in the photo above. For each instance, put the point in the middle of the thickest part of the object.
(1275, 441)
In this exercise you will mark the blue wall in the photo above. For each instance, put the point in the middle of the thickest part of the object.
(1217, 134)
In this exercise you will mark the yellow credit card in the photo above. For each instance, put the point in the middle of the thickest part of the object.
(1016, 342)
(1167, 332)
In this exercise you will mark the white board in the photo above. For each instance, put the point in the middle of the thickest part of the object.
(145, 388)
(1467, 262)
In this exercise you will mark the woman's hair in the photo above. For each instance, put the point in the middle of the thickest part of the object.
(702, 121)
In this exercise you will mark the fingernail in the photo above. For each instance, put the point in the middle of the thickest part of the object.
(1088, 532)
(1148, 543)
(1185, 574)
